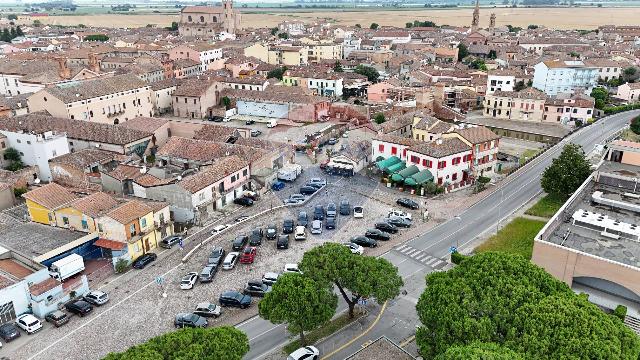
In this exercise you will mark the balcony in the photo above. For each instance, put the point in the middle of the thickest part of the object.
(117, 113)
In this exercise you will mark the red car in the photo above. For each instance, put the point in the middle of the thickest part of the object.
(248, 255)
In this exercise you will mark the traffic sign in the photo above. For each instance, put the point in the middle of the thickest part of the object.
(181, 244)
(159, 280)
(453, 249)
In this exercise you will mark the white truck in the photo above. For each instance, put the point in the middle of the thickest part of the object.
(66, 267)
(273, 123)
(290, 172)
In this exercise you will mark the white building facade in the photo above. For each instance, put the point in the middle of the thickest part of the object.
(557, 77)
(38, 149)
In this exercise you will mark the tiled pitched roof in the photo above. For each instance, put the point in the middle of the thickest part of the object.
(75, 129)
(148, 180)
(215, 133)
(51, 196)
(124, 172)
(42, 287)
(218, 171)
(477, 134)
(193, 87)
(144, 123)
(129, 211)
(85, 157)
(205, 151)
(441, 147)
(95, 204)
(392, 139)
(89, 89)
(280, 94)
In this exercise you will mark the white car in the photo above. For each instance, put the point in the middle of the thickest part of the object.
(28, 323)
(189, 280)
(292, 268)
(230, 261)
(301, 233)
(270, 278)
(96, 297)
(355, 248)
(305, 353)
(316, 227)
(358, 212)
(218, 229)
(399, 213)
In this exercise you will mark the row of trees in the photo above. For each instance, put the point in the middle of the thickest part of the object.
(501, 306)
(307, 301)
(418, 23)
(9, 34)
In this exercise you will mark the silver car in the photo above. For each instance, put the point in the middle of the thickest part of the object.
(316, 227)
(96, 297)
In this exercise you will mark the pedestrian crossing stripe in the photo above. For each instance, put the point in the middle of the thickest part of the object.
(421, 256)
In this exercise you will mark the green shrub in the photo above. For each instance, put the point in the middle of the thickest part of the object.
(620, 312)
(19, 191)
(584, 296)
(121, 266)
(457, 258)
(616, 109)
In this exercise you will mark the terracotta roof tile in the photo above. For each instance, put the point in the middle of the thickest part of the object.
(129, 211)
(144, 123)
(441, 147)
(51, 196)
(43, 287)
(218, 171)
(95, 205)
(477, 134)
(124, 172)
(85, 157)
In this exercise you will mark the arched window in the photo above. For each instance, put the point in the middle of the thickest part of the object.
(189, 18)
(215, 19)
(201, 18)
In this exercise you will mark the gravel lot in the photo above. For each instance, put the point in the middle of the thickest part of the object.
(138, 311)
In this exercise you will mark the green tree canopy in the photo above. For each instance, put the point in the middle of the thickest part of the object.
(379, 118)
(226, 102)
(373, 26)
(361, 276)
(96, 37)
(300, 302)
(630, 74)
(566, 173)
(12, 17)
(15, 159)
(520, 85)
(277, 73)
(225, 342)
(371, 73)
(601, 96)
(337, 67)
(635, 125)
(463, 52)
(479, 351)
(477, 300)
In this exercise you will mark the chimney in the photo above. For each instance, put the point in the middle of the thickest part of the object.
(94, 65)
(63, 69)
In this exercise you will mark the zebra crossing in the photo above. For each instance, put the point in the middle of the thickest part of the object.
(420, 256)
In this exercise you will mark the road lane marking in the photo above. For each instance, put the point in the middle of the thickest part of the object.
(265, 332)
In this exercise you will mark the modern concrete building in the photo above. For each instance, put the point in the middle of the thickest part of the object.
(557, 76)
(37, 147)
(593, 242)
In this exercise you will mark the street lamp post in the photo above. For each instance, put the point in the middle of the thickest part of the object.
(500, 210)
(457, 217)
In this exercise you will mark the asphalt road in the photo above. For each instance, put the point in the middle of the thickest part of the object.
(410, 257)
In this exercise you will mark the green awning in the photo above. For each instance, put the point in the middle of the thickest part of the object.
(395, 168)
(419, 178)
(383, 164)
(401, 175)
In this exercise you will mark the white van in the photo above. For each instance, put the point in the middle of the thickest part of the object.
(301, 233)
(230, 260)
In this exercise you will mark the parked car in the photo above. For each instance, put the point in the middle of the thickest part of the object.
(330, 223)
(250, 194)
(358, 212)
(399, 213)
(189, 280)
(399, 222)
(235, 299)
(408, 203)
(332, 141)
(364, 241)
(9, 332)
(307, 190)
(305, 353)
(303, 218)
(230, 261)
(270, 278)
(191, 320)
(255, 133)
(144, 260)
(355, 248)
(297, 197)
(318, 212)
(386, 227)
(248, 255)
(29, 323)
(345, 207)
(316, 227)
(207, 273)
(301, 233)
(79, 307)
(316, 186)
(96, 297)
(241, 218)
(277, 185)
(169, 241)
(283, 242)
(256, 288)
(287, 226)
(207, 309)
(332, 210)
(216, 256)
(377, 234)
(218, 228)
(272, 231)
(255, 238)
(244, 201)
(292, 268)
(249, 122)
(239, 242)
(321, 182)
(57, 318)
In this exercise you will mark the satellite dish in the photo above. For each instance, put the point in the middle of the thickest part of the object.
(37, 181)
(179, 177)
(143, 170)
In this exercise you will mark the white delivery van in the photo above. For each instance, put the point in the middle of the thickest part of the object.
(66, 267)
(290, 172)
(273, 123)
